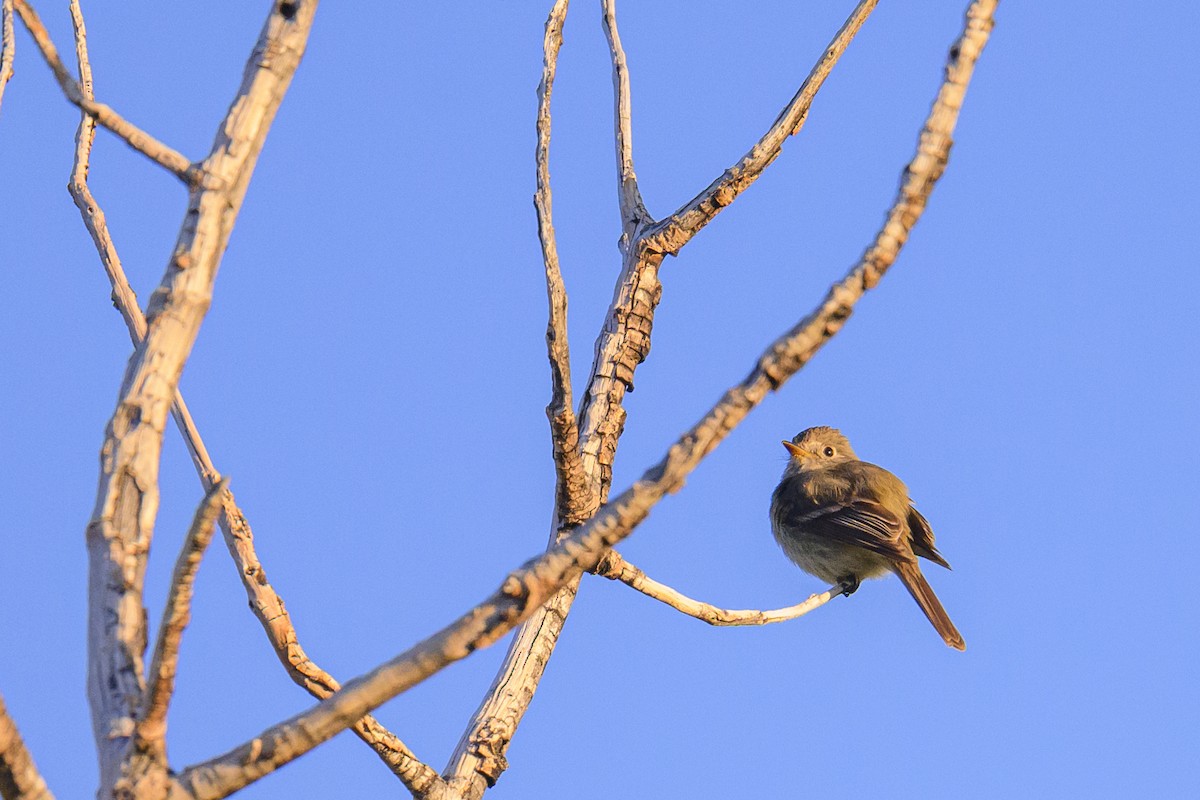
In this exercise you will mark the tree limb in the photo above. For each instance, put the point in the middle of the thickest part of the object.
(633, 210)
(265, 602)
(614, 567)
(135, 137)
(571, 485)
(672, 233)
(479, 758)
(19, 776)
(624, 343)
(8, 46)
(150, 732)
(527, 588)
(121, 527)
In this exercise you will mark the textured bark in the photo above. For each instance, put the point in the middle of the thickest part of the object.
(623, 344)
(8, 47)
(19, 776)
(678, 229)
(265, 602)
(129, 718)
(150, 732)
(121, 528)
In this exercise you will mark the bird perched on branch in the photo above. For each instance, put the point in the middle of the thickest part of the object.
(844, 520)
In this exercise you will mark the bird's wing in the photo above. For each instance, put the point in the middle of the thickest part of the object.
(922, 538)
(862, 523)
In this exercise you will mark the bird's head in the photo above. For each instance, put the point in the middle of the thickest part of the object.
(818, 447)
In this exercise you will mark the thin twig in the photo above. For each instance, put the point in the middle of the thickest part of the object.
(19, 776)
(614, 567)
(135, 137)
(265, 602)
(8, 45)
(633, 210)
(420, 779)
(571, 489)
(672, 233)
(150, 732)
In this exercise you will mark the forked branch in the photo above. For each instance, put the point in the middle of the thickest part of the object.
(135, 137)
(633, 210)
(623, 344)
(265, 602)
(571, 485)
(121, 528)
(530, 586)
(672, 233)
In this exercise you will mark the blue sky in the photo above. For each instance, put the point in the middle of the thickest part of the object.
(372, 377)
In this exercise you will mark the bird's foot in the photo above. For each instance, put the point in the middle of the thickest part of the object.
(849, 584)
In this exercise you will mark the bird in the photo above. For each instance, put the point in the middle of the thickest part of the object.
(844, 520)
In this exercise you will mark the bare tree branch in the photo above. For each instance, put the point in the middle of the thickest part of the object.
(420, 779)
(135, 137)
(150, 732)
(571, 489)
(528, 587)
(120, 532)
(8, 46)
(266, 603)
(479, 758)
(624, 343)
(672, 233)
(633, 210)
(522, 592)
(614, 567)
(121, 527)
(19, 776)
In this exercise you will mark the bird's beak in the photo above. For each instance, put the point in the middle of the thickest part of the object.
(795, 450)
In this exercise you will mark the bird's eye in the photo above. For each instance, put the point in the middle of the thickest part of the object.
(828, 451)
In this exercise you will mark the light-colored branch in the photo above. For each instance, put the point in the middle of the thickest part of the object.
(522, 592)
(478, 759)
(121, 527)
(420, 779)
(571, 485)
(624, 343)
(135, 137)
(633, 210)
(8, 46)
(265, 602)
(614, 567)
(19, 776)
(530, 586)
(150, 732)
(672, 233)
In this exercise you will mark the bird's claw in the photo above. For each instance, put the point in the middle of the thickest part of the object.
(849, 584)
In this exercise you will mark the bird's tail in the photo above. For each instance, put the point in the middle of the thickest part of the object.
(910, 575)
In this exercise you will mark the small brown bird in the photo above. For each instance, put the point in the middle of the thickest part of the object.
(844, 520)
